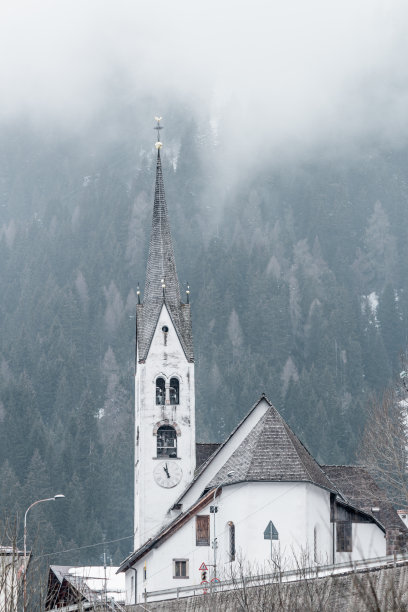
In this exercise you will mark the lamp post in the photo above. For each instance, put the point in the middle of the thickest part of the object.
(39, 501)
(230, 475)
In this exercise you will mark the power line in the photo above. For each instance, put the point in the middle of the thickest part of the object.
(60, 552)
(245, 518)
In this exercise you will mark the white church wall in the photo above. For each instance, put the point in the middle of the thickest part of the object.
(250, 506)
(293, 508)
(368, 541)
(318, 526)
(166, 358)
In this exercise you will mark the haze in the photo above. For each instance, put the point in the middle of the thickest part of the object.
(281, 75)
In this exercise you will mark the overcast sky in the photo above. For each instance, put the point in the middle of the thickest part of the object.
(300, 72)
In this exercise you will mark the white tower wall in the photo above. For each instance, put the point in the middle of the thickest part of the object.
(165, 359)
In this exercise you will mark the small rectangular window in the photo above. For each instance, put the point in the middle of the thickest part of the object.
(180, 568)
(344, 541)
(203, 530)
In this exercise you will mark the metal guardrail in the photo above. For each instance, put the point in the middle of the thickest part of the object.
(317, 571)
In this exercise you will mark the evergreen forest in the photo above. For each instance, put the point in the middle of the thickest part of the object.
(297, 271)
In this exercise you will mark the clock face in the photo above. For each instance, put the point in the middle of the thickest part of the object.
(167, 474)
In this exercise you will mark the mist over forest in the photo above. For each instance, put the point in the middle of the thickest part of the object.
(287, 193)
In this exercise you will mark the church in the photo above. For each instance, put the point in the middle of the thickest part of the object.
(259, 498)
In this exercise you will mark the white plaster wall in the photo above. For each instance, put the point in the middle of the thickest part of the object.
(294, 509)
(152, 502)
(250, 506)
(231, 445)
(318, 516)
(368, 542)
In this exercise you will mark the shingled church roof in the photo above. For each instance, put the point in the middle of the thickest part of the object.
(361, 491)
(161, 265)
(271, 452)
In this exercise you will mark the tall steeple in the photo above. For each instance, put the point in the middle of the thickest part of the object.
(162, 285)
(164, 381)
(161, 265)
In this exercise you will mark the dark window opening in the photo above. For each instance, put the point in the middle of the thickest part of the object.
(174, 391)
(344, 537)
(160, 391)
(203, 530)
(166, 442)
(180, 568)
(231, 544)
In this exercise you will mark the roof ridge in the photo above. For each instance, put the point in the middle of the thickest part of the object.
(291, 433)
(286, 426)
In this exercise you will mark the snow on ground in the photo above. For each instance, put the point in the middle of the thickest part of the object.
(94, 578)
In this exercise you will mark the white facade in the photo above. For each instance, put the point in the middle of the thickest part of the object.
(300, 512)
(166, 360)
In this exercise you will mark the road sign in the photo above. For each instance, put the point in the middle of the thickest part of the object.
(215, 580)
(271, 533)
(204, 583)
(203, 567)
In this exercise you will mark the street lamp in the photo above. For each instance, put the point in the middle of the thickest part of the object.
(39, 501)
(230, 475)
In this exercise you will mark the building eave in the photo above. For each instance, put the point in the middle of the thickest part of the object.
(168, 531)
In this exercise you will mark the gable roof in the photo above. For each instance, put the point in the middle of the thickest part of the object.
(361, 491)
(271, 452)
(161, 264)
(68, 585)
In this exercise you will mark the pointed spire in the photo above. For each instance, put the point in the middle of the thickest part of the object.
(162, 284)
(161, 262)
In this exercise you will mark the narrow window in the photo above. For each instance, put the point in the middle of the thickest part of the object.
(343, 537)
(180, 568)
(315, 545)
(203, 530)
(174, 391)
(166, 442)
(231, 541)
(160, 391)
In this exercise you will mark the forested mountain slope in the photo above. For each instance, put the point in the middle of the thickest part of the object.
(298, 289)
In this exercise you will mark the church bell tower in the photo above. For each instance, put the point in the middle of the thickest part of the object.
(164, 380)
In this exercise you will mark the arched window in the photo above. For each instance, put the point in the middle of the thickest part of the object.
(166, 442)
(231, 541)
(174, 391)
(160, 391)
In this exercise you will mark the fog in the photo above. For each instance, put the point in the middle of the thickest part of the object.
(281, 76)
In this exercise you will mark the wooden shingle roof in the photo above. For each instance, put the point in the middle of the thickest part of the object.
(161, 264)
(271, 452)
(359, 489)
